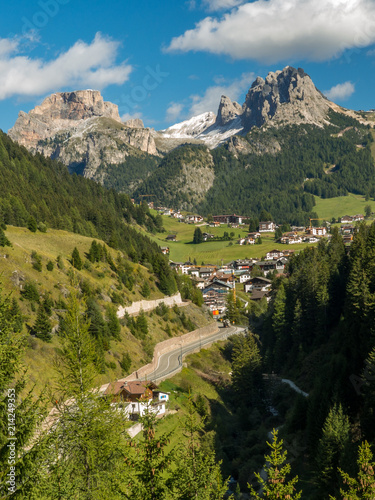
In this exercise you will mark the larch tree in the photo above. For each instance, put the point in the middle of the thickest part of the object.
(88, 440)
(22, 439)
(276, 486)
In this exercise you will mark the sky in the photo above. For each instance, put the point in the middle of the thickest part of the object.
(168, 60)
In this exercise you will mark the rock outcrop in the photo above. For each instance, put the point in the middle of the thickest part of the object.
(284, 97)
(227, 111)
(83, 131)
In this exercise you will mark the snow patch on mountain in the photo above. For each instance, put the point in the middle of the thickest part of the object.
(204, 128)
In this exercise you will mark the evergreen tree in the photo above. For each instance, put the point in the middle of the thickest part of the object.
(363, 486)
(21, 414)
(42, 327)
(76, 259)
(50, 265)
(198, 236)
(145, 290)
(246, 364)
(32, 225)
(113, 323)
(276, 486)
(198, 475)
(4, 242)
(88, 440)
(151, 462)
(331, 450)
(142, 325)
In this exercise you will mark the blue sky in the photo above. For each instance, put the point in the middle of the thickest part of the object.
(168, 60)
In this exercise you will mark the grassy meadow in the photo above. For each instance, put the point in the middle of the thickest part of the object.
(214, 252)
(342, 205)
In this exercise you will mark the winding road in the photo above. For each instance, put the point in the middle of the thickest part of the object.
(170, 362)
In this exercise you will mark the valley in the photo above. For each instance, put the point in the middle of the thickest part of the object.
(85, 240)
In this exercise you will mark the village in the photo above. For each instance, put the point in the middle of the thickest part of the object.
(251, 276)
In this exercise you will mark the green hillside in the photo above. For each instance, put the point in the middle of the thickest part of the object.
(336, 207)
(285, 168)
(104, 287)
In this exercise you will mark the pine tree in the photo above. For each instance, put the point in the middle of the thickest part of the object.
(198, 475)
(32, 225)
(151, 462)
(88, 440)
(42, 327)
(28, 412)
(145, 290)
(363, 486)
(276, 486)
(331, 449)
(141, 324)
(76, 259)
(198, 236)
(4, 242)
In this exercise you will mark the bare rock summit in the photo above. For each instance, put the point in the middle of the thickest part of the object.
(83, 131)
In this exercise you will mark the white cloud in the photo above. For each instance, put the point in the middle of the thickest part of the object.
(83, 65)
(210, 100)
(277, 30)
(131, 116)
(174, 111)
(340, 92)
(213, 5)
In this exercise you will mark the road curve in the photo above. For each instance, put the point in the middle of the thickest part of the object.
(170, 362)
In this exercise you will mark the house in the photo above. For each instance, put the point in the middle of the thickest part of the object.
(215, 294)
(268, 266)
(358, 218)
(254, 235)
(274, 254)
(193, 219)
(207, 236)
(199, 282)
(311, 239)
(258, 295)
(194, 271)
(259, 283)
(346, 219)
(177, 266)
(171, 237)
(348, 238)
(244, 277)
(242, 264)
(206, 272)
(267, 226)
(138, 396)
(316, 231)
(291, 239)
(185, 267)
(228, 219)
(226, 278)
(348, 229)
(164, 250)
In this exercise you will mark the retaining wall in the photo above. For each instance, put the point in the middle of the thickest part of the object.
(149, 305)
(169, 345)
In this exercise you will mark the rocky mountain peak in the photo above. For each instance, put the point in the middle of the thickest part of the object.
(228, 111)
(60, 111)
(287, 96)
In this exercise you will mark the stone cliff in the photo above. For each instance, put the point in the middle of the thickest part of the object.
(81, 130)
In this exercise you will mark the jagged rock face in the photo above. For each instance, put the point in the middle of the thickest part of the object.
(287, 96)
(58, 112)
(81, 130)
(134, 123)
(228, 111)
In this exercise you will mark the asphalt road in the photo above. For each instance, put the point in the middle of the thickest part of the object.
(171, 362)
